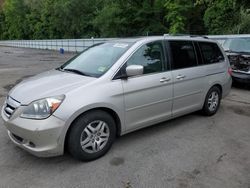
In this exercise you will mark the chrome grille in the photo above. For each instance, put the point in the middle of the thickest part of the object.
(10, 106)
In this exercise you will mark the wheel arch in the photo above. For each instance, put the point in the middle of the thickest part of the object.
(105, 109)
(220, 88)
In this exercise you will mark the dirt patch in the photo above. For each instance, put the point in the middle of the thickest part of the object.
(187, 177)
(23, 56)
(8, 52)
(238, 101)
(117, 161)
(211, 124)
(196, 172)
(8, 87)
(127, 184)
(241, 110)
(221, 157)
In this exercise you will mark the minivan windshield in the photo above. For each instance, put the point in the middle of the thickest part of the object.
(96, 60)
(240, 45)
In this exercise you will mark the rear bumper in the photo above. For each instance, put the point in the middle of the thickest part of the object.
(227, 88)
(241, 77)
(41, 138)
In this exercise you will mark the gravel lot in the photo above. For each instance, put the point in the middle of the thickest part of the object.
(191, 151)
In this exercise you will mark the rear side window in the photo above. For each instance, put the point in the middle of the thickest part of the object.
(211, 53)
(183, 54)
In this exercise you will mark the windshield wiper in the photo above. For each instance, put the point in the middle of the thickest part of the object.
(75, 71)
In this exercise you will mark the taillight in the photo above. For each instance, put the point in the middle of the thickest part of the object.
(230, 71)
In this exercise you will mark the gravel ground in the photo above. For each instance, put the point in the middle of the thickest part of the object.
(191, 151)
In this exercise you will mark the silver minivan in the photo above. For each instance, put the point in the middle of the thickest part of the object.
(114, 88)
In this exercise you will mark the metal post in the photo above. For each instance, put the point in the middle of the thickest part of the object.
(68, 45)
(75, 46)
(82, 44)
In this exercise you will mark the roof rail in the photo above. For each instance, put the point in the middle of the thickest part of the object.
(202, 36)
(187, 35)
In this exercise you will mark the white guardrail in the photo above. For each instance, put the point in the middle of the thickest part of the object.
(68, 45)
(78, 45)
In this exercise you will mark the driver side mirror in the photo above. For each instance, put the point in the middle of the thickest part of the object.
(134, 70)
(131, 70)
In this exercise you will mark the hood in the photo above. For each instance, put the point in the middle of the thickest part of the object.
(47, 84)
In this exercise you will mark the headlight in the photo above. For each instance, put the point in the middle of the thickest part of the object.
(42, 109)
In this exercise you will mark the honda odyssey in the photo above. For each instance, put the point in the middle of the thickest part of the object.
(114, 88)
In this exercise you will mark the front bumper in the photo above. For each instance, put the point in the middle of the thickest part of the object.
(41, 138)
(241, 77)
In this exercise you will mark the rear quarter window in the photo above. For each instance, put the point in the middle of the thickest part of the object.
(211, 53)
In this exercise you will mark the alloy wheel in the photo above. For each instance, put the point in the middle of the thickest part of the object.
(95, 136)
(213, 101)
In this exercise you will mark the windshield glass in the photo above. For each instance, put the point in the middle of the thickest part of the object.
(237, 45)
(97, 60)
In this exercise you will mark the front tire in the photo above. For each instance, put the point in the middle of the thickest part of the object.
(91, 135)
(212, 101)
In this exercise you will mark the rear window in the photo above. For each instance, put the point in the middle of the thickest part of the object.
(183, 54)
(211, 53)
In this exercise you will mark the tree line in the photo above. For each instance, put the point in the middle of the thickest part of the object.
(51, 19)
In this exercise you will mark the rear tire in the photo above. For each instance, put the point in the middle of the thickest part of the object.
(212, 101)
(91, 135)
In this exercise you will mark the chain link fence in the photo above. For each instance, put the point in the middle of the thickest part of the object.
(68, 45)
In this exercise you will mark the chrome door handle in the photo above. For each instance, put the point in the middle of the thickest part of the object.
(180, 77)
(164, 80)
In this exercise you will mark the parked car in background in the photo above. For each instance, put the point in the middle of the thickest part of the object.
(115, 88)
(237, 48)
(238, 52)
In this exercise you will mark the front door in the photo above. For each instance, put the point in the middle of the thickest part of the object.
(148, 97)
